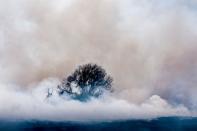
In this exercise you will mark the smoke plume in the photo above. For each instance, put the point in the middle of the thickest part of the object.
(148, 46)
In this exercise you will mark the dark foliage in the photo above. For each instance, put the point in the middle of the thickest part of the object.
(88, 79)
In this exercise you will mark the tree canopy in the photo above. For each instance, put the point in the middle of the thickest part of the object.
(86, 81)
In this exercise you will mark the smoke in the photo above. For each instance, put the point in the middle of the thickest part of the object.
(33, 104)
(149, 47)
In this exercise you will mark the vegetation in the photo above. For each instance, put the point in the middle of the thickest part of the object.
(89, 80)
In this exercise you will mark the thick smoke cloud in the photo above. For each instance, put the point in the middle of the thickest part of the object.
(33, 104)
(149, 47)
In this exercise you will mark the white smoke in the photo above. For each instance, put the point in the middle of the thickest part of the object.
(33, 104)
(148, 46)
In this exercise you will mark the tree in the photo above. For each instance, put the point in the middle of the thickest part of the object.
(89, 80)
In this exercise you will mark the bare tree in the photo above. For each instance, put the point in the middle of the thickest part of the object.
(87, 80)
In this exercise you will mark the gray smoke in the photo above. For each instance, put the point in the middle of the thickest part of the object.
(148, 46)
